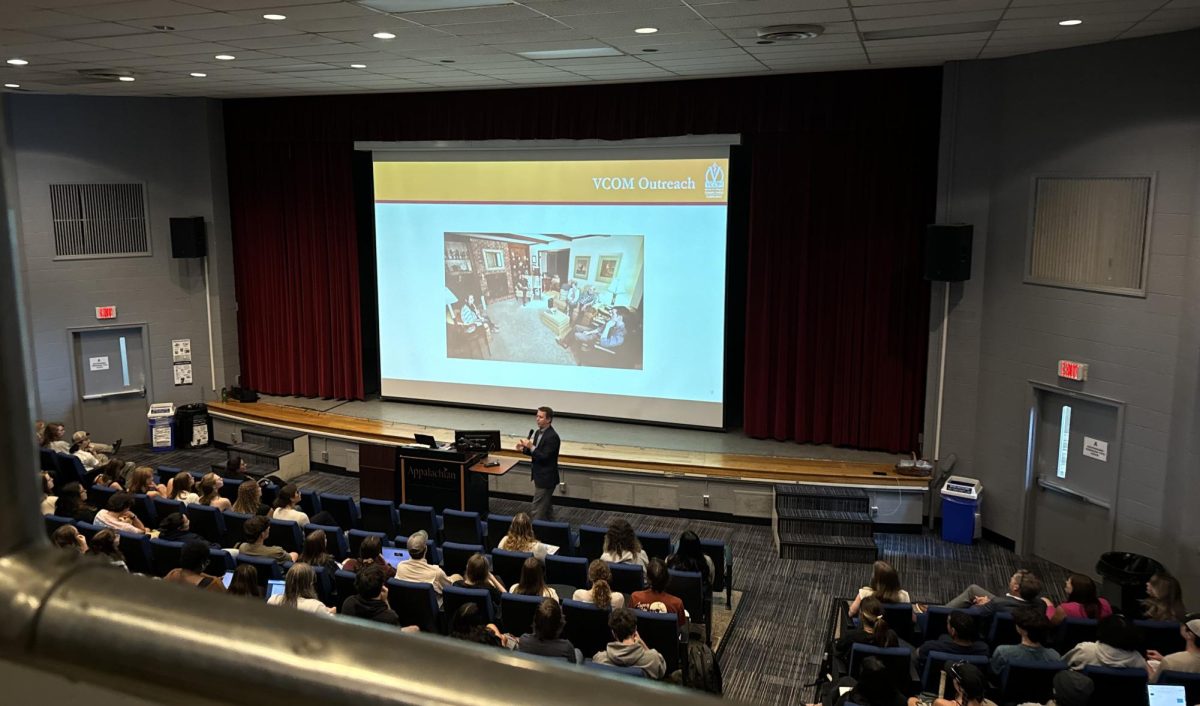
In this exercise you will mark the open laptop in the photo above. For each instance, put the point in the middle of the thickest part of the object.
(227, 579)
(274, 588)
(426, 440)
(1164, 695)
(395, 555)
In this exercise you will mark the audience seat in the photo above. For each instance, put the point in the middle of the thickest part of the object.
(164, 474)
(455, 556)
(1003, 632)
(415, 603)
(454, 596)
(688, 586)
(1031, 682)
(99, 495)
(207, 521)
(567, 570)
(165, 506)
(722, 580)
(462, 527)
(310, 502)
(234, 534)
(517, 611)
(656, 544)
(220, 561)
(414, 518)
(506, 566)
(53, 522)
(591, 542)
(269, 493)
(266, 567)
(342, 507)
(587, 626)
(556, 533)
(286, 534)
(660, 631)
(1190, 681)
(899, 617)
(229, 488)
(335, 540)
(88, 529)
(47, 461)
(343, 586)
(355, 539)
(135, 547)
(1074, 631)
(898, 661)
(1117, 687)
(143, 507)
(70, 470)
(1161, 635)
(936, 619)
(378, 516)
(627, 578)
(165, 556)
(634, 672)
(937, 660)
(325, 589)
(497, 527)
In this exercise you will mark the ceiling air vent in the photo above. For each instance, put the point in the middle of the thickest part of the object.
(784, 33)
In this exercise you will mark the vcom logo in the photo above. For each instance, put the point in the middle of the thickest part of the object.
(714, 181)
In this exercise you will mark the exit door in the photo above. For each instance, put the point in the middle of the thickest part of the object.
(1076, 467)
(111, 380)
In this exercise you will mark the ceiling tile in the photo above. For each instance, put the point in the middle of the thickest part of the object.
(138, 9)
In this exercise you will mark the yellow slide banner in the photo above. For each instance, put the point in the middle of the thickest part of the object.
(673, 181)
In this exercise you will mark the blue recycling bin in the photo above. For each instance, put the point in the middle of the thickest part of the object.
(960, 510)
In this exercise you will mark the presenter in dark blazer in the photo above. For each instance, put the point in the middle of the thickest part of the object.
(542, 448)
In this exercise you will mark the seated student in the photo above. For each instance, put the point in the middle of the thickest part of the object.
(235, 469)
(1023, 590)
(370, 552)
(689, 556)
(533, 580)
(1081, 602)
(193, 566)
(1186, 661)
(259, 527)
(69, 538)
(872, 630)
(72, 503)
(963, 639)
(885, 585)
(600, 594)
(180, 488)
(874, 687)
(479, 575)
(656, 599)
(1164, 598)
(520, 537)
(370, 599)
(245, 582)
(49, 500)
(546, 639)
(54, 438)
(89, 456)
(107, 475)
(286, 506)
(467, 624)
(1116, 645)
(141, 482)
(107, 544)
(621, 545)
(1033, 627)
(249, 500)
(418, 569)
(118, 514)
(970, 686)
(300, 591)
(627, 648)
(316, 553)
(177, 527)
(210, 492)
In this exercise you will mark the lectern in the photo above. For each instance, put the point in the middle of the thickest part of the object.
(418, 475)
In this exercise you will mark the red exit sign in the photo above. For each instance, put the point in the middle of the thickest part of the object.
(1072, 370)
(106, 312)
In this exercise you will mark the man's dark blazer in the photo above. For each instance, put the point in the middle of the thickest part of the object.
(544, 459)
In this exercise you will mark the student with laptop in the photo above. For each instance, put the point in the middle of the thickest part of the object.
(193, 562)
(1187, 660)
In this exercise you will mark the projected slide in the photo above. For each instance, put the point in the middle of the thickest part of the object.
(596, 287)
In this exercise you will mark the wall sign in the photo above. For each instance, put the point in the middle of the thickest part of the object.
(98, 363)
(1072, 370)
(1094, 448)
(106, 312)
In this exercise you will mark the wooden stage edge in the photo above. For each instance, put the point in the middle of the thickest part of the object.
(580, 454)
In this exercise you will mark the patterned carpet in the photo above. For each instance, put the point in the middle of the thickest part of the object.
(773, 646)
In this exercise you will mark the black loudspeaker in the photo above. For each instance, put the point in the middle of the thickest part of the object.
(187, 237)
(243, 394)
(948, 252)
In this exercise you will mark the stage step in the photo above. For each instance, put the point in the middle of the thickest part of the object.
(793, 496)
(820, 547)
(825, 522)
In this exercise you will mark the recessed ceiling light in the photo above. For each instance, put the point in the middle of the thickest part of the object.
(197, 74)
(12, 85)
(1070, 23)
(358, 66)
(446, 61)
(584, 53)
(126, 79)
(383, 35)
(274, 17)
(764, 41)
(164, 28)
(646, 30)
(17, 62)
(225, 57)
(649, 51)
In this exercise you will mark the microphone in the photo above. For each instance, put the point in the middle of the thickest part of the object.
(530, 434)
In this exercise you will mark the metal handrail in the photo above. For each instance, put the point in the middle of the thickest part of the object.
(63, 613)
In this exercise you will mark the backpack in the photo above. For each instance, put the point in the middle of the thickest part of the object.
(702, 670)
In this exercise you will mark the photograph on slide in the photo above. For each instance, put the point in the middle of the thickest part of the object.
(549, 298)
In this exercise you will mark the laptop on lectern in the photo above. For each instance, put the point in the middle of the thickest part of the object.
(426, 440)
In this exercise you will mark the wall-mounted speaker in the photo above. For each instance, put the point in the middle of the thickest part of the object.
(187, 237)
(948, 252)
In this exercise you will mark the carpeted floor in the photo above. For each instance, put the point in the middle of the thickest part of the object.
(773, 646)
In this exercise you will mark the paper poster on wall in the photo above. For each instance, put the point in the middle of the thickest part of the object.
(181, 350)
(98, 363)
(183, 373)
(1094, 448)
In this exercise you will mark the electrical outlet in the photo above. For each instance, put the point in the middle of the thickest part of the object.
(233, 437)
(324, 455)
(707, 501)
(562, 488)
(874, 511)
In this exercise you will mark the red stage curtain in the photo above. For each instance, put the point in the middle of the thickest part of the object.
(843, 182)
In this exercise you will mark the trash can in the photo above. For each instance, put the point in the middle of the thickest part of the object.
(161, 420)
(1124, 577)
(193, 426)
(961, 520)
